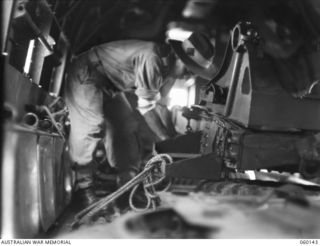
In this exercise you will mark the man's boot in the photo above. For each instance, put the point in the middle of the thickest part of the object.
(85, 192)
(85, 197)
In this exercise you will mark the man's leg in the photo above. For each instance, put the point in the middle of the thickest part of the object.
(85, 104)
(123, 145)
(122, 141)
(146, 136)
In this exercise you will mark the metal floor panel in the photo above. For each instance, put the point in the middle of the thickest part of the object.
(223, 209)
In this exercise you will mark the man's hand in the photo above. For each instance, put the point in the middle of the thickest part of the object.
(159, 121)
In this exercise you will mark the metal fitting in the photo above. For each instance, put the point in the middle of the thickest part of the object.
(31, 119)
(242, 33)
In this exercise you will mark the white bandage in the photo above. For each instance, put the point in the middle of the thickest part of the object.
(144, 105)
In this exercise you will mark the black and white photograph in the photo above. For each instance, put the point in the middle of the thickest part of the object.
(160, 119)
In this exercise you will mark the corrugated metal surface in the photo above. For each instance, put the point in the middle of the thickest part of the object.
(35, 183)
(47, 178)
(19, 91)
(20, 185)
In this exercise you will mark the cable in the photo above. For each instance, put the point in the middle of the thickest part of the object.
(55, 101)
(62, 111)
(159, 161)
(151, 180)
(55, 124)
(313, 85)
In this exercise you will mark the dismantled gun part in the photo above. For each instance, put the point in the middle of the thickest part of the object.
(245, 149)
(256, 97)
(262, 126)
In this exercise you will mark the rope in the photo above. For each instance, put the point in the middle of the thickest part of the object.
(146, 176)
(62, 111)
(55, 124)
(159, 161)
(55, 101)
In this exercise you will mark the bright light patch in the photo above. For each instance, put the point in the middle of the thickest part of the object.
(178, 97)
(68, 186)
(179, 34)
(192, 95)
(27, 64)
(251, 174)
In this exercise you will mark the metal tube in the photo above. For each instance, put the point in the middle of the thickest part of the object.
(233, 83)
(31, 119)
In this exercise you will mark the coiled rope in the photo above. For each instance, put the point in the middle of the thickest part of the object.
(155, 177)
(153, 174)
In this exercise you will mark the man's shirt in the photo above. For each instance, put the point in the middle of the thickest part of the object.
(134, 65)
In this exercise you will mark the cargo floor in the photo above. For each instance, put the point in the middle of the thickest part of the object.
(224, 209)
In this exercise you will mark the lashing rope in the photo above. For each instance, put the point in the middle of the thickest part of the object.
(147, 177)
(151, 181)
(54, 122)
